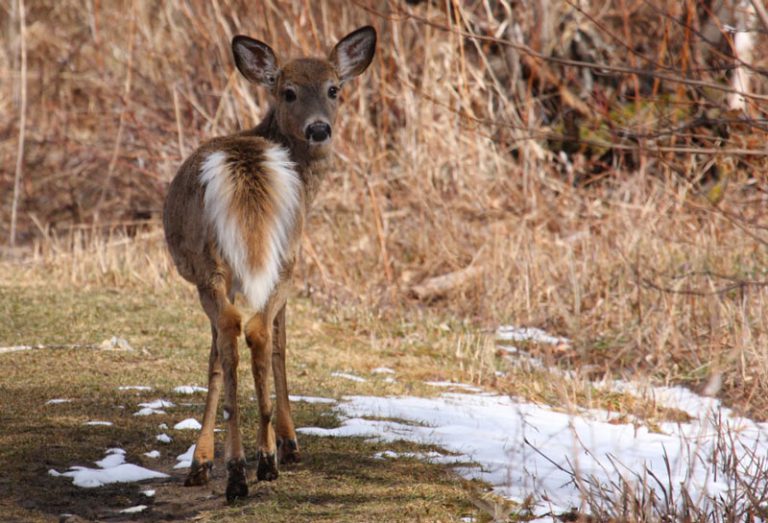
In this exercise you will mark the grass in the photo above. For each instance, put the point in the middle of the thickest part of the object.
(636, 227)
(338, 481)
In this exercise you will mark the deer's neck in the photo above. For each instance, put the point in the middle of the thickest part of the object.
(311, 168)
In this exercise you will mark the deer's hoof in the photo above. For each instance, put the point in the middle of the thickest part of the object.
(199, 474)
(288, 451)
(237, 486)
(267, 467)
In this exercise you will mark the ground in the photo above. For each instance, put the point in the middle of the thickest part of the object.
(77, 354)
(338, 480)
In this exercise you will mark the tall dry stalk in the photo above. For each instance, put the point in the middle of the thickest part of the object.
(593, 188)
(22, 122)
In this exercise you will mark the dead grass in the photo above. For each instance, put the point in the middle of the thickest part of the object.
(452, 155)
(338, 481)
(636, 228)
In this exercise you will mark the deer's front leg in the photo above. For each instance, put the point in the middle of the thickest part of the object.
(258, 335)
(287, 444)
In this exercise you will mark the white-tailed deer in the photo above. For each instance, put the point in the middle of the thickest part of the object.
(233, 219)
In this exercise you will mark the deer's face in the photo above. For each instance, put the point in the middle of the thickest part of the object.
(307, 98)
(306, 90)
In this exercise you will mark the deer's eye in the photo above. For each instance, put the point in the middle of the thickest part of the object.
(289, 95)
(333, 92)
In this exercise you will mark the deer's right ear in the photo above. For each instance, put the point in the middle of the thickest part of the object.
(255, 60)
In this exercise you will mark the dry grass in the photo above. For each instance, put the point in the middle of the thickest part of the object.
(636, 227)
(650, 260)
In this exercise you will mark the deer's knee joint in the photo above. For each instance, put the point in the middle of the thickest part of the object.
(256, 333)
(229, 323)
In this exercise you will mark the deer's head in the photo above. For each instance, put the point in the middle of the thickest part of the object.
(306, 90)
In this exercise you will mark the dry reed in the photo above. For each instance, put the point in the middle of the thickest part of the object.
(586, 167)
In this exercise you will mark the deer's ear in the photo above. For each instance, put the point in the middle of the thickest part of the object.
(353, 54)
(255, 60)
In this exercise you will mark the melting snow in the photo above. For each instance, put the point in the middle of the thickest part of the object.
(56, 401)
(163, 438)
(97, 423)
(348, 376)
(184, 461)
(522, 448)
(134, 510)
(112, 469)
(189, 389)
(134, 387)
(511, 333)
(382, 370)
(311, 399)
(188, 424)
(154, 454)
(433, 457)
(149, 492)
(153, 407)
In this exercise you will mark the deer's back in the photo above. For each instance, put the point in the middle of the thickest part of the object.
(234, 207)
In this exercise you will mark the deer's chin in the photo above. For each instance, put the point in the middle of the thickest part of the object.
(320, 150)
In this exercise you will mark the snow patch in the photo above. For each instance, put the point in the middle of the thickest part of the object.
(512, 333)
(382, 370)
(311, 399)
(432, 456)
(184, 461)
(163, 438)
(153, 407)
(96, 423)
(523, 448)
(188, 424)
(348, 376)
(134, 510)
(134, 387)
(154, 454)
(149, 492)
(112, 469)
(189, 389)
(57, 401)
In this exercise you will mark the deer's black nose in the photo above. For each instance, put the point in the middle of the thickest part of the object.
(318, 132)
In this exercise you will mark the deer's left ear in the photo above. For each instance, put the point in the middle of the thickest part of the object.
(353, 54)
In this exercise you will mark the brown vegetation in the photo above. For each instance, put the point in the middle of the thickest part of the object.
(580, 159)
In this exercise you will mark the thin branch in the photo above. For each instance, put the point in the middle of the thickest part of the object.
(761, 12)
(600, 68)
(22, 123)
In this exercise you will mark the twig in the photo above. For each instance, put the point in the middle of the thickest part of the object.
(22, 124)
(599, 67)
(123, 113)
(379, 221)
(177, 112)
(761, 12)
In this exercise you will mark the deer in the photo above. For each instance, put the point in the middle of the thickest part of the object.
(233, 219)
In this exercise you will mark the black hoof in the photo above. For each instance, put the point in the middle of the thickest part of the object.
(267, 468)
(199, 474)
(288, 451)
(237, 487)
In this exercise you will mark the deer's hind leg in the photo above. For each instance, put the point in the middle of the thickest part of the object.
(226, 322)
(287, 444)
(258, 335)
(202, 461)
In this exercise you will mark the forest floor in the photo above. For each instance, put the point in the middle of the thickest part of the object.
(404, 397)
